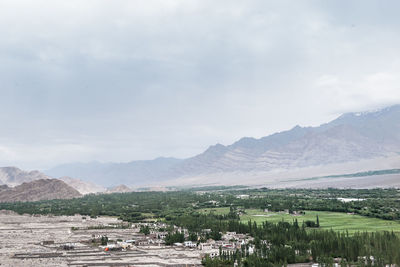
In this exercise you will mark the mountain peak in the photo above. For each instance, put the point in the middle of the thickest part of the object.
(352, 137)
(216, 147)
(372, 112)
(298, 128)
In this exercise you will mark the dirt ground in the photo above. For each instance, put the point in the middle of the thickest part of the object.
(366, 182)
(22, 236)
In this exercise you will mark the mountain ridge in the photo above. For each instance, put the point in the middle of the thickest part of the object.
(351, 137)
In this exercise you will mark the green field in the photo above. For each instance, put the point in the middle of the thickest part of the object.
(328, 220)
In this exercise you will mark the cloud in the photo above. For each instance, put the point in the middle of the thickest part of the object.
(124, 80)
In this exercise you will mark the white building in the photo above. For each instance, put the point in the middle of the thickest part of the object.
(190, 244)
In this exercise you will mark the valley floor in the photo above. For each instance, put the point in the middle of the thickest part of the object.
(38, 240)
(364, 182)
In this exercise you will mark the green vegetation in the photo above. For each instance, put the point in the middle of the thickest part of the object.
(336, 221)
(142, 206)
(104, 240)
(130, 207)
(287, 226)
(288, 243)
(145, 230)
(176, 237)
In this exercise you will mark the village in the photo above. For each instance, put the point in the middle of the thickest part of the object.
(104, 241)
(230, 241)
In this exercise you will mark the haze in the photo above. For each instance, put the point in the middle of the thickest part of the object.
(127, 80)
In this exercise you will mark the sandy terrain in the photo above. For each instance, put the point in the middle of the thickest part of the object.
(290, 178)
(367, 182)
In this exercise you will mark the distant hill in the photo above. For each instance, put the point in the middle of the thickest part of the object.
(13, 176)
(83, 187)
(119, 189)
(139, 172)
(42, 189)
(352, 138)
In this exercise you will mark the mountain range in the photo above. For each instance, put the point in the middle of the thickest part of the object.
(353, 142)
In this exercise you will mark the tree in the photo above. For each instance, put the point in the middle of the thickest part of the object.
(145, 230)
(176, 237)
(104, 240)
(193, 237)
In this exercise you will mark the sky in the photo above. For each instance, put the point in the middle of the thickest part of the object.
(116, 81)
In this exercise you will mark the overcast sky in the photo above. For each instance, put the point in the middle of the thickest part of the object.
(128, 80)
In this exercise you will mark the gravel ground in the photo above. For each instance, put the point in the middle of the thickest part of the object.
(22, 236)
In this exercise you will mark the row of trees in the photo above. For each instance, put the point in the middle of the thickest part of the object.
(285, 243)
(138, 206)
(274, 243)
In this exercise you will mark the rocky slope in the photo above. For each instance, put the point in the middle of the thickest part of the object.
(42, 189)
(351, 137)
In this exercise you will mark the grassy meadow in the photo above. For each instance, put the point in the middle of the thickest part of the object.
(328, 220)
